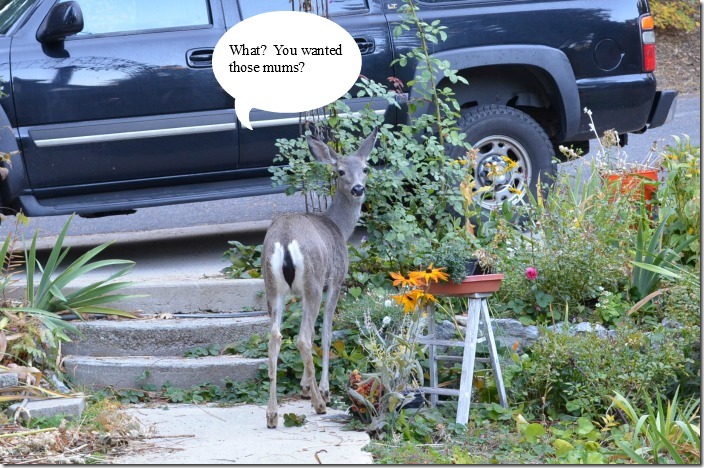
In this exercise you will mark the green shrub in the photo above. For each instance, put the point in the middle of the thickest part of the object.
(579, 240)
(579, 374)
(679, 194)
(246, 260)
(681, 303)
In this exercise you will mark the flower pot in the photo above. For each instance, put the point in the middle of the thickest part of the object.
(471, 284)
(639, 185)
(470, 267)
(412, 399)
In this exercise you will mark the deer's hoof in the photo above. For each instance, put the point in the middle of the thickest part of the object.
(320, 408)
(272, 420)
(326, 395)
(305, 392)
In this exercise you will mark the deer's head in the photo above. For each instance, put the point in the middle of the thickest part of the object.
(351, 170)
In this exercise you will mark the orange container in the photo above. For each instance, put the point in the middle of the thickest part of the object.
(470, 285)
(640, 185)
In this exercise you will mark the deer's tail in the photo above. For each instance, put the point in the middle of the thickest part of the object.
(286, 264)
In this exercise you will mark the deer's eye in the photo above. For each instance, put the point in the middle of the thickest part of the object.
(365, 170)
(340, 173)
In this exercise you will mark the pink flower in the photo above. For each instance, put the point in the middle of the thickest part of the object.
(531, 273)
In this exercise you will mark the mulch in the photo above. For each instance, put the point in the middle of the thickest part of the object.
(678, 60)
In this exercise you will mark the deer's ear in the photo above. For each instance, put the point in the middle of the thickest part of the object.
(321, 151)
(365, 149)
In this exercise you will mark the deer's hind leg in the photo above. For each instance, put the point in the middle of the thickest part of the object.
(276, 309)
(311, 307)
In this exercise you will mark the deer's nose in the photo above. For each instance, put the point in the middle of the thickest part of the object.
(358, 190)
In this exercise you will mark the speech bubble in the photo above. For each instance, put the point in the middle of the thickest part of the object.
(285, 61)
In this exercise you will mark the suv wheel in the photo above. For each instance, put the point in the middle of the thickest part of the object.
(513, 153)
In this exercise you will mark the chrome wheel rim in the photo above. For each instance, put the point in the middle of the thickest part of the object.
(503, 164)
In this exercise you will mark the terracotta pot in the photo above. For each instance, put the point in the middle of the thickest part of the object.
(640, 185)
(471, 284)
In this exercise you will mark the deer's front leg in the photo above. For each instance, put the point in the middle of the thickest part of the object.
(330, 306)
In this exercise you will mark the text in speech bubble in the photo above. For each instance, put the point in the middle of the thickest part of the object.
(285, 61)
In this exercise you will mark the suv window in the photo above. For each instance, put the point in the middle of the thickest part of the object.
(335, 7)
(11, 11)
(115, 16)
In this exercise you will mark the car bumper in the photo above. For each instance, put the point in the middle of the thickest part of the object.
(663, 110)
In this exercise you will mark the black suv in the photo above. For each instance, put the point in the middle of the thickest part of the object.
(112, 105)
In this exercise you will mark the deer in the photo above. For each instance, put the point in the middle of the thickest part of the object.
(302, 254)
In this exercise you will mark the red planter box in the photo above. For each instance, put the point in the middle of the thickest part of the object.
(471, 284)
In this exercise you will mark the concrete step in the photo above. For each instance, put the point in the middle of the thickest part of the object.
(129, 371)
(179, 294)
(161, 337)
(118, 352)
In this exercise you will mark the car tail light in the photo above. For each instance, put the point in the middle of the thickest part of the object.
(647, 38)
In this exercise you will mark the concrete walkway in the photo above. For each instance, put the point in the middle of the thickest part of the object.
(207, 434)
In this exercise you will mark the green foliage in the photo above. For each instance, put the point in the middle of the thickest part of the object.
(127, 396)
(374, 304)
(246, 260)
(682, 302)
(679, 197)
(652, 260)
(578, 238)
(203, 351)
(611, 308)
(294, 420)
(577, 375)
(47, 296)
(42, 422)
(578, 445)
(661, 436)
(394, 354)
(453, 254)
(37, 322)
(680, 15)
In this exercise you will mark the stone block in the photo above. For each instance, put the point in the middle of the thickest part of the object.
(71, 408)
(8, 379)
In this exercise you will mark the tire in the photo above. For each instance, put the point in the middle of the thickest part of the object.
(498, 131)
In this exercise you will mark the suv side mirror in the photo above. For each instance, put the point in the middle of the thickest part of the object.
(64, 19)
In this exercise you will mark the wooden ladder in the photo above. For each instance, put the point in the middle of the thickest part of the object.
(477, 307)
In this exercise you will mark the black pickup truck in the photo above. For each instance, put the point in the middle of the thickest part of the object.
(112, 105)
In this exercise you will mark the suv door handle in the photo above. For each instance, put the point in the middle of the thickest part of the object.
(200, 58)
(365, 44)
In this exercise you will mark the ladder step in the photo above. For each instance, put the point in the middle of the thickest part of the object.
(440, 391)
(459, 359)
(434, 342)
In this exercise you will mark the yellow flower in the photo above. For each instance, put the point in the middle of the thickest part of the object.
(429, 274)
(408, 300)
(403, 281)
(515, 190)
(466, 188)
(428, 298)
